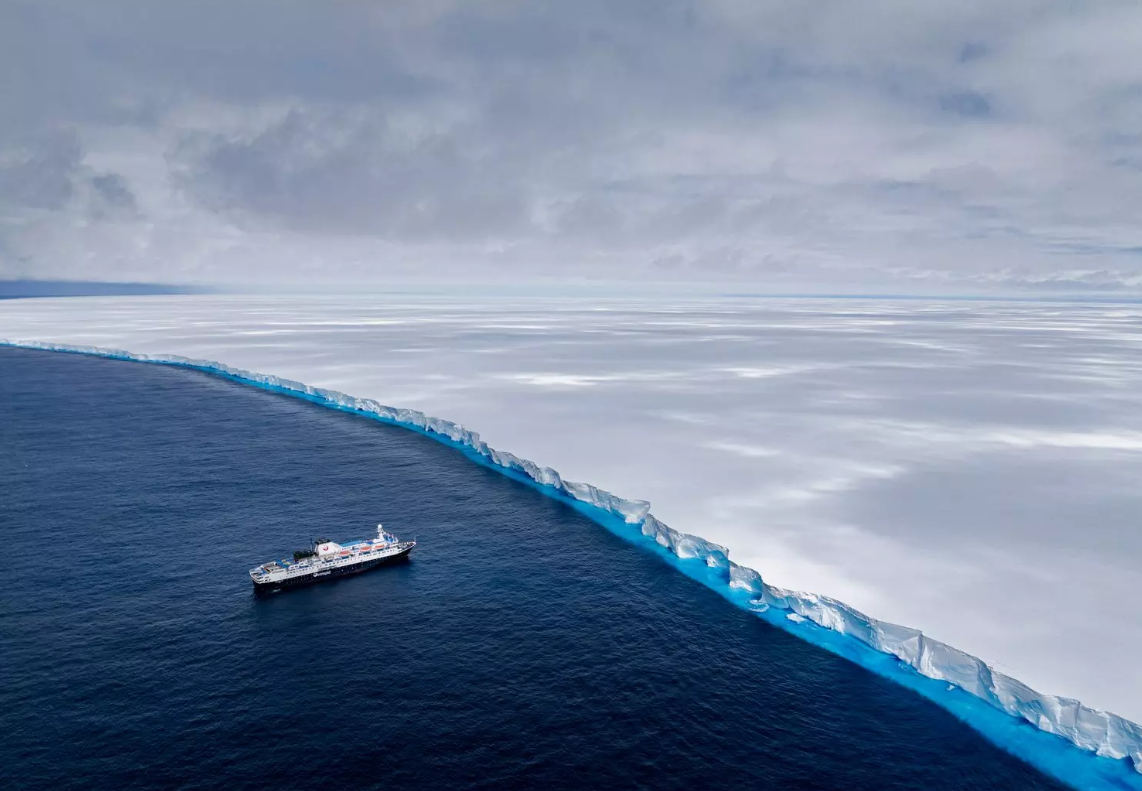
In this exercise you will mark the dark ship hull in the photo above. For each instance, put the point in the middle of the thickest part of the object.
(323, 575)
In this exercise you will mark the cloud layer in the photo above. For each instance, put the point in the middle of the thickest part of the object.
(777, 145)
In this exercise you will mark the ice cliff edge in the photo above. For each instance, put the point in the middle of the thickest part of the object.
(1097, 731)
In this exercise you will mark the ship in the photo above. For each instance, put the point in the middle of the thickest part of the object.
(326, 560)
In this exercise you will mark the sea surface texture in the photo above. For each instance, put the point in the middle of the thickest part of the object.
(523, 646)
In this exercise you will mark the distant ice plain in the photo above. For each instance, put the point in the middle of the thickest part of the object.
(968, 468)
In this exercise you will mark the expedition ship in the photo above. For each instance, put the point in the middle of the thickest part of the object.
(328, 560)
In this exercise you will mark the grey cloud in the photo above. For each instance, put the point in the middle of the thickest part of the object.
(348, 173)
(47, 186)
(112, 189)
(966, 103)
(39, 175)
(852, 144)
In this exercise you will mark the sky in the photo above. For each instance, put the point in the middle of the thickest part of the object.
(834, 147)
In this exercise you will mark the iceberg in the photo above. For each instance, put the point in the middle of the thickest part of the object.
(941, 672)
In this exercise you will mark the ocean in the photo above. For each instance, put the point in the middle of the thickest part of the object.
(523, 646)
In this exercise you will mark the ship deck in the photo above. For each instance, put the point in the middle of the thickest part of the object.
(350, 550)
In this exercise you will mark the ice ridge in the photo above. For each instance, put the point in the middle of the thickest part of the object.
(1093, 730)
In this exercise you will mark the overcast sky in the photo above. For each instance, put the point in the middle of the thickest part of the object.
(832, 146)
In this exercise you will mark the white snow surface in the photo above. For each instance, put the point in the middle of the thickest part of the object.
(968, 468)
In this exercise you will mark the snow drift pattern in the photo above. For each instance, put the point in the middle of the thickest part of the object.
(1101, 732)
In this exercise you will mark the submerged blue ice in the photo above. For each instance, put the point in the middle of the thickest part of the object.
(939, 671)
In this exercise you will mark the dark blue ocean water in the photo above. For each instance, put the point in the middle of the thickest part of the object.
(522, 647)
